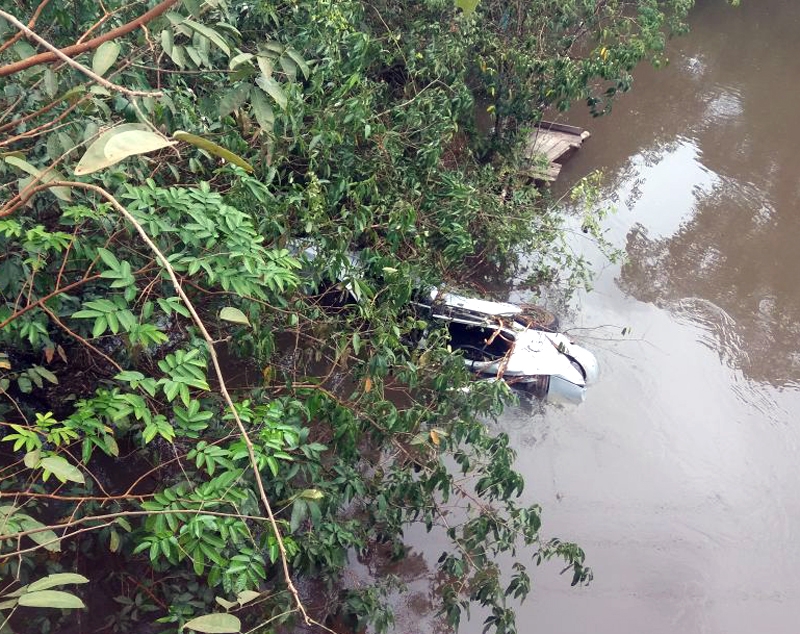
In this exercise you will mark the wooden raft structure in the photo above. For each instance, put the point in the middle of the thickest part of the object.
(556, 142)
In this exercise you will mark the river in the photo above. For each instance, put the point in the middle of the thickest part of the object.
(680, 474)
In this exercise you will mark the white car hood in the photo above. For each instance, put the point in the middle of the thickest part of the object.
(537, 352)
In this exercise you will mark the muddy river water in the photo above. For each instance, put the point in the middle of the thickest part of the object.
(680, 474)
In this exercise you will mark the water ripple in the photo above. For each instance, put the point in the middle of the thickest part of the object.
(718, 332)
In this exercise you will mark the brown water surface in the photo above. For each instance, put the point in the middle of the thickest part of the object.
(680, 475)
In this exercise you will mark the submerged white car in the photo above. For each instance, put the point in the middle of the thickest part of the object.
(503, 340)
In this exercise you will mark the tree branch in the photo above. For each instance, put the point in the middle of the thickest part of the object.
(76, 49)
(67, 59)
(42, 300)
(75, 335)
(114, 516)
(31, 23)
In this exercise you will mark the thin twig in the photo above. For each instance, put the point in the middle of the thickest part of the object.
(76, 49)
(73, 498)
(76, 65)
(114, 516)
(24, 551)
(75, 335)
(18, 36)
(102, 21)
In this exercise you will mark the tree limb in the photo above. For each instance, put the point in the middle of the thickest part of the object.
(31, 23)
(76, 336)
(66, 58)
(76, 49)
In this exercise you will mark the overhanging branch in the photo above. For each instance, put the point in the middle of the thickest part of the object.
(77, 49)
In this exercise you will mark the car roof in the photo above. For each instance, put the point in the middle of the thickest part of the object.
(476, 306)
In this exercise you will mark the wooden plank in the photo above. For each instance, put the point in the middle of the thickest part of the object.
(544, 142)
(559, 127)
(556, 141)
(559, 150)
(545, 145)
(553, 147)
(547, 175)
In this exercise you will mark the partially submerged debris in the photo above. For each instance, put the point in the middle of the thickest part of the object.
(550, 145)
(502, 340)
(518, 344)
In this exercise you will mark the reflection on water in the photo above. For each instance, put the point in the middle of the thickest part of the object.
(732, 243)
(701, 162)
(679, 474)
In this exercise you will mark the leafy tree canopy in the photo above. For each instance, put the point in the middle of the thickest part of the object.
(158, 161)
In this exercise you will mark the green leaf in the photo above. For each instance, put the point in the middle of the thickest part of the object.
(22, 48)
(234, 315)
(233, 99)
(274, 90)
(46, 374)
(62, 469)
(298, 59)
(129, 375)
(50, 84)
(104, 57)
(215, 624)
(193, 7)
(47, 539)
(299, 512)
(176, 55)
(210, 33)
(62, 193)
(112, 446)
(239, 59)
(131, 142)
(31, 459)
(467, 6)
(117, 144)
(51, 599)
(73, 94)
(262, 110)
(57, 579)
(108, 258)
(213, 148)
(311, 494)
(100, 326)
(265, 65)
(225, 603)
(245, 596)
(194, 54)
(24, 384)
(167, 40)
(289, 67)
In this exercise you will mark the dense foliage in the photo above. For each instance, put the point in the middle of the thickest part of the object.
(153, 199)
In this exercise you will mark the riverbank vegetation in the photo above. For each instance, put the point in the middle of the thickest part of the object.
(193, 434)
